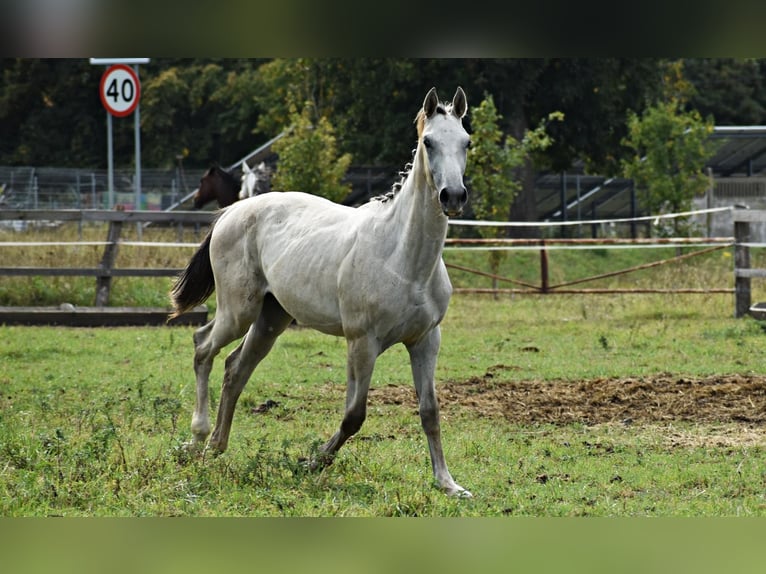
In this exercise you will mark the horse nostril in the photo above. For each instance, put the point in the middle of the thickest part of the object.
(453, 196)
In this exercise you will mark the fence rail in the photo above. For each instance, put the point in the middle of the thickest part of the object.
(106, 270)
(708, 244)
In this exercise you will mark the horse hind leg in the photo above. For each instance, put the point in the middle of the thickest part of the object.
(208, 342)
(240, 364)
(203, 363)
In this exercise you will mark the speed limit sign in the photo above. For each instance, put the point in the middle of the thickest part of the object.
(120, 90)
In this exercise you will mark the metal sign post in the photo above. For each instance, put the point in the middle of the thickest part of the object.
(120, 92)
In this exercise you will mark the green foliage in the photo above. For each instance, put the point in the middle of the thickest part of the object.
(491, 163)
(492, 160)
(731, 90)
(219, 109)
(350, 91)
(669, 147)
(203, 111)
(308, 157)
(285, 85)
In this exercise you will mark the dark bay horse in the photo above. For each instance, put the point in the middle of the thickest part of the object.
(217, 184)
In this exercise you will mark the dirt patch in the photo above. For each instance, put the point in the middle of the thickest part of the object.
(657, 399)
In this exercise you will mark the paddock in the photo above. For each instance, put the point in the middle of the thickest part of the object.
(574, 405)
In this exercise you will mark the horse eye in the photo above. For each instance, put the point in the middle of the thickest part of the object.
(427, 142)
(468, 144)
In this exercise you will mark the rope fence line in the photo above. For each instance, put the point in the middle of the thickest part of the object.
(655, 218)
(449, 245)
(95, 244)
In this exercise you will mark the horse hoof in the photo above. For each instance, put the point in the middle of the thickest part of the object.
(458, 492)
(192, 446)
(214, 451)
(186, 452)
(316, 462)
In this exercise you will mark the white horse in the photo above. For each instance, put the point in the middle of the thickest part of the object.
(254, 181)
(372, 274)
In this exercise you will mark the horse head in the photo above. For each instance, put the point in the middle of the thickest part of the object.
(444, 143)
(254, 181)
(216, 183)
(206, 191)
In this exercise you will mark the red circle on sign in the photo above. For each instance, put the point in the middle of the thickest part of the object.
(120, 90)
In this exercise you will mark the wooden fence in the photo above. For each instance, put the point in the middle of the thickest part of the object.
(545, 287)
(743, 273)
(106, 270)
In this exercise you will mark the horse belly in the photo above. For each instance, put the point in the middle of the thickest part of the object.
(317, 312)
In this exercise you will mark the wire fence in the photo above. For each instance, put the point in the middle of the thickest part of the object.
(72, 188)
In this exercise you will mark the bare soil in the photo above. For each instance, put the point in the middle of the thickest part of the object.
(727, 399)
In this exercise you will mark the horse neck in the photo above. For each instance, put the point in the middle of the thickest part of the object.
(422, 227)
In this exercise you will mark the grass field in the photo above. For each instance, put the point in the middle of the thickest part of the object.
(569, 405)
(92, 420)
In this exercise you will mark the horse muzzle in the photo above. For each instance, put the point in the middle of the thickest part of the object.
(453, 200)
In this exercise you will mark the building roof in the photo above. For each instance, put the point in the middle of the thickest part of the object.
(740, 150)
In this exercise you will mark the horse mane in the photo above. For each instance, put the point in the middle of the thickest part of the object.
(397, 186)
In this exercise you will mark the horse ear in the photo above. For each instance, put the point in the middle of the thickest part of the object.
(245, 167)
(459, 103)
(430, 103)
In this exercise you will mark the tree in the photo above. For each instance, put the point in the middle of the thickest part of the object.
(592, 93)
(202, 110)
(370, 101)
(733, 91)
(490, 165)
(50, 113)
(492, 159)
(308, 157)
(669, 148)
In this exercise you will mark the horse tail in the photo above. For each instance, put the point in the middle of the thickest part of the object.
(195, 283)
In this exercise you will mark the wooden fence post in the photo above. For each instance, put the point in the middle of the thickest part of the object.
(543, 267)
(104, 282)
(741, 261)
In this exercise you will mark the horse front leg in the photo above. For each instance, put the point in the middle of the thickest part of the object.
(423, 361)
(362, 354)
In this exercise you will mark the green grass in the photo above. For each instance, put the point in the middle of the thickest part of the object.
(92, 421)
